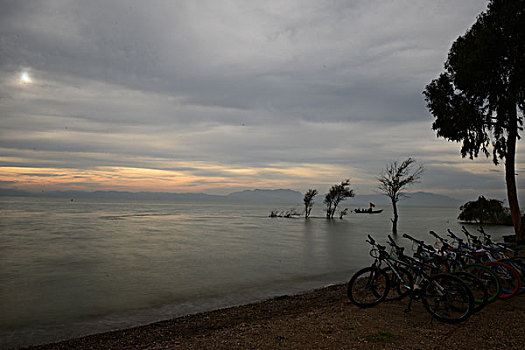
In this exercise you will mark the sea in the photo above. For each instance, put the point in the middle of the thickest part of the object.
(70, 268)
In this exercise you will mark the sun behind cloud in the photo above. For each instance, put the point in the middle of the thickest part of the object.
(25, 77)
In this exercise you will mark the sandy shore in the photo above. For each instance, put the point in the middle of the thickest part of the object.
(322, 318)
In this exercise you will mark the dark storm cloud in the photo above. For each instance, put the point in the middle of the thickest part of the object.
(328, 58)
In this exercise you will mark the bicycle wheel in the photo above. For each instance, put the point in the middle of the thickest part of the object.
(489, 278)
(476, 286)
(510, 280)
(447, 298)
(399, 288)
(368, 287)
(520, 269)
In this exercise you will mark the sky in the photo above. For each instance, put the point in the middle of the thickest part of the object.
(220, 96)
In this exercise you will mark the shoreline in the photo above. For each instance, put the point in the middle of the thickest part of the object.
(321, 318)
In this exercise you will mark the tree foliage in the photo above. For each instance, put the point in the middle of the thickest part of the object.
(395, 179)
(484, 211)
(309, 201)
(479, 99)
(337, 194)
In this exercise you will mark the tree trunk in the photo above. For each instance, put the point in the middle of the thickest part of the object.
(333, 211)
(510, 176)
(394, 220)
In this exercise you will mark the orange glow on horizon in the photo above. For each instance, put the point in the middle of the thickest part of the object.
(196, 177)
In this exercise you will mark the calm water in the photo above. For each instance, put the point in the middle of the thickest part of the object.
(73, 268)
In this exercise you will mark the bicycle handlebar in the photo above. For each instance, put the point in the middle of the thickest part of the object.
(482, 231)
(408, 236)
(421, 243)
(443, 240)
(374, 243)
(399, 250)
(475, 239)
(452, 235)
(446, 245)
(468, 234)
(391, 240)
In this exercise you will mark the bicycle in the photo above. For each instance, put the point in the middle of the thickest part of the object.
(434, 259)
(445, 297)
(494, 254)
(479, 262)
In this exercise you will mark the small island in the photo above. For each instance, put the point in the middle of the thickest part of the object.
(485, 211)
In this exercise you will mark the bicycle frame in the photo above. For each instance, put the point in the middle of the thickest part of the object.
(421, 277)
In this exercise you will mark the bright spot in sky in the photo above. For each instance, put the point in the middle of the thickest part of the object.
(25, 78)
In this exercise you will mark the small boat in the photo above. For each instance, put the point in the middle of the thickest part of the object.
(369, 210)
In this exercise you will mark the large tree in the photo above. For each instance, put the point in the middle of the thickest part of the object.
(395, 179)
(479, 99)
(337, 194)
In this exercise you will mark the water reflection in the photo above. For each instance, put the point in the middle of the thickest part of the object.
(74, 267)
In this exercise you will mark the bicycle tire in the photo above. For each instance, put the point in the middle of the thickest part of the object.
(510, 279)
(447, 299)
(477, 288)
(520, 269)
(489, 278)
(399, 289)
(368, 287)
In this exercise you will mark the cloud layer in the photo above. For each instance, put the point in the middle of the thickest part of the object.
(217, 96)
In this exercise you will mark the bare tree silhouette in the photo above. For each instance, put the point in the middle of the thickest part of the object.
(394, 179)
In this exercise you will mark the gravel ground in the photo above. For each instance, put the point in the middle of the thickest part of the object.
(320, 319)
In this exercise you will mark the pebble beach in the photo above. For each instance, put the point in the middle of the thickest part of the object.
(318, 319)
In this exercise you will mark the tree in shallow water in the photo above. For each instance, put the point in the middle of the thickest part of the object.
(393, 181)
(309, 202)
(337, 194)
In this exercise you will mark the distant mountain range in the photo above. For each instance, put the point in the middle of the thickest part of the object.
(265, 196)
(253, 196)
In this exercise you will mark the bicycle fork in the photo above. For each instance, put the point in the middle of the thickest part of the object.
(414, 294)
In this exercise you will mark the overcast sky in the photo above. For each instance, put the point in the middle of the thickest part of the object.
(219, 96)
